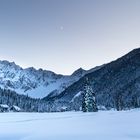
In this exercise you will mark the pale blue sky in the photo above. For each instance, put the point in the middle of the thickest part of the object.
(63, 35)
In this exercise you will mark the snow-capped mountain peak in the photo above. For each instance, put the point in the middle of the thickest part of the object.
(35, 83)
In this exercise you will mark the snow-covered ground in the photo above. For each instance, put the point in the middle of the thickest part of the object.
(105, 125)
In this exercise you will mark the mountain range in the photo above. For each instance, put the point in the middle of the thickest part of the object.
(116, 84)
(36, 83)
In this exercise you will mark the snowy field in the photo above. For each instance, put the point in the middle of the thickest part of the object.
(105, 125)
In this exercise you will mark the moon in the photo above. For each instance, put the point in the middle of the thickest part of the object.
(61, 28)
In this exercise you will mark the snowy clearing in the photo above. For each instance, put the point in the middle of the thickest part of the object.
(104, 125)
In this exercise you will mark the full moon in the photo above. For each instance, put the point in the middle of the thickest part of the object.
(61, 28)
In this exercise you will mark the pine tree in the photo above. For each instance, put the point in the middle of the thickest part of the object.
(119, 102)
(89, 101)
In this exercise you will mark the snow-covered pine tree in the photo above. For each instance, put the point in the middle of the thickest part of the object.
(89, 101)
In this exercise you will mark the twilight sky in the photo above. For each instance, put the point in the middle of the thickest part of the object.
(63, 35)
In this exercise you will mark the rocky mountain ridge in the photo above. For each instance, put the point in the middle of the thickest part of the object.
(35, 83)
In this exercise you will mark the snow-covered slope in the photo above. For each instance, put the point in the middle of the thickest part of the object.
(35, 83)
(104, 125)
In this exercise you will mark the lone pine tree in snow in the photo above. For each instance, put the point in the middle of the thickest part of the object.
(89, 101)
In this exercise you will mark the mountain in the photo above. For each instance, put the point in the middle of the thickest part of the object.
(116, 85)
(35, 83)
